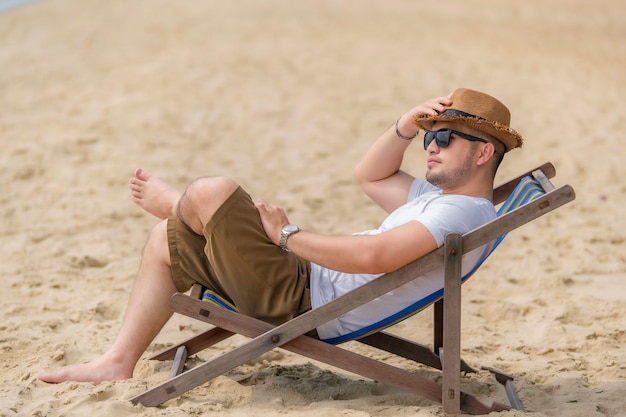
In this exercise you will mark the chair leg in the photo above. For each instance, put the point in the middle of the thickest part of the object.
(194, 344)
(179, 362)
(438, 325)
(507, 381)
(451, 394)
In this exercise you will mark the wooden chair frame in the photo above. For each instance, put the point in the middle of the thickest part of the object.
(292, 334)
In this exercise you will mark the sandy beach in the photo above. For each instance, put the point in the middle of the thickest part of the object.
(285, 97)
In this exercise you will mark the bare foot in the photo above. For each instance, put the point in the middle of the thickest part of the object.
(153, 194)
(100, 370)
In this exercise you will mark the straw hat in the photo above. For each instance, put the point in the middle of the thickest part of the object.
(479, 111)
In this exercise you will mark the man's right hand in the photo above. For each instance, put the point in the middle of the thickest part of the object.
(432, 107)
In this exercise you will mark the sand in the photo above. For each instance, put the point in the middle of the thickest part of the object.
(285, 97)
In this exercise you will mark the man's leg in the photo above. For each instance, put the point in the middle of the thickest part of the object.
(195, 207)
(147, 313)
(147, 310)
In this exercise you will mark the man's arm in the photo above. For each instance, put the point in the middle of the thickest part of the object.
(379, 173)
(371, 254)
(382, 180)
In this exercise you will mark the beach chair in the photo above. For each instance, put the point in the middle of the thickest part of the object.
(523, 199)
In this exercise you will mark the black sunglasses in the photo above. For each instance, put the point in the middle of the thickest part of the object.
(442, 137)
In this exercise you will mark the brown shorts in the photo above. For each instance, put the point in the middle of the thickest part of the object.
(236, 259)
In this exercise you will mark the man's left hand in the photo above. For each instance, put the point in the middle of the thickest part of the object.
(273, 219)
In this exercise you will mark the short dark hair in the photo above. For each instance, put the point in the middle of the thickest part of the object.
(499, 148)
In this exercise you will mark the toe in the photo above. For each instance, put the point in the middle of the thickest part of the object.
(142, 174)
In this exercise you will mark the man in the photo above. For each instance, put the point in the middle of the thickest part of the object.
(248, 252)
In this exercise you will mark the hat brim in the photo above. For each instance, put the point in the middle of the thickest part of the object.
(508, 136)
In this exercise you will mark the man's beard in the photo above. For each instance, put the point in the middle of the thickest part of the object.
(452, 178)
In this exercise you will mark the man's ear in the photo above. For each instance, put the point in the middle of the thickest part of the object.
(486, 153)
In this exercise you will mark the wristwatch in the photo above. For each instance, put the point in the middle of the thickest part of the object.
(285, 232)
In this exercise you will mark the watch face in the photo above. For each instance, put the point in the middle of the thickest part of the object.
(290, 228)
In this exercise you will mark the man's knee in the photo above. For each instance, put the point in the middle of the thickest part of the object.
(202, 198)
(157, 245)
(213, 189)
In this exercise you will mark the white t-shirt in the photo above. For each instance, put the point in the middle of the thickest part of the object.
(440, 214)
